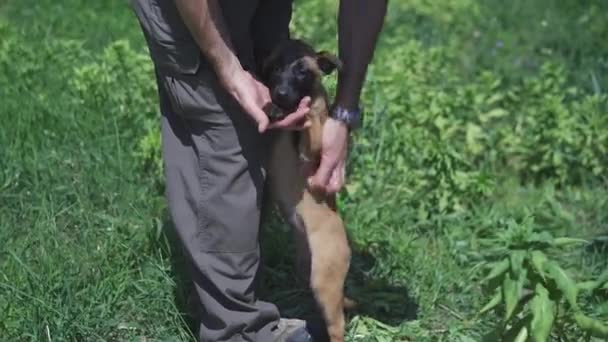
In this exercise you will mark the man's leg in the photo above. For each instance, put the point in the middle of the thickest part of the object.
(213, 159)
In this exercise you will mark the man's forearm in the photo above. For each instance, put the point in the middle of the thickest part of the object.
(205, 21)
(359, 24)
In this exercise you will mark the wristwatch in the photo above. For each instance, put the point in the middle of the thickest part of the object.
(353, 118)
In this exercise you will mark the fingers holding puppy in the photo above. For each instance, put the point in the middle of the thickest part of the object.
(297, 120)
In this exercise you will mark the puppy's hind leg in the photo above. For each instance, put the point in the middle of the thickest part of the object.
(303, 256)
(330, 256)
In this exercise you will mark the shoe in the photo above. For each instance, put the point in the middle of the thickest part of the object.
(291, 330)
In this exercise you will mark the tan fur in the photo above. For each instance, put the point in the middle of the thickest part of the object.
(312, 65)
(322, 245)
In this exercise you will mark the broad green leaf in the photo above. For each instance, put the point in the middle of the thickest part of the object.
(496, 97)
(538, 259)
(522, 336)
(361, 329)
(494, 113)
(564, 241)
(588, 285)
(592, 326)
(509, 288)
(544, 238)
(563, 282)
(353, 187)
(543, 312)
(464, 338)
(474, 133)
(382, 338)
(500, 268)
(492, 303)
(603, 278)
(384, 326)
(512, 289)
(517, 261)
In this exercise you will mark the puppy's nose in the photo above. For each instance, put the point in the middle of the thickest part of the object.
(282, 92)
(281, 96)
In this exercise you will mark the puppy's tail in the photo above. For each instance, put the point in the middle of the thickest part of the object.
(350, 304)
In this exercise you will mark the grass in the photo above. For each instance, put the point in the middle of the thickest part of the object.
(87, 252)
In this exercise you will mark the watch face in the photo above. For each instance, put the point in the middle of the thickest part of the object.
(351, 117)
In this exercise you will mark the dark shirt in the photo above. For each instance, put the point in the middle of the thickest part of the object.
(255, 26)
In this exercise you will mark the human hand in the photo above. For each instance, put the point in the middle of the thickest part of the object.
(251, 94)
(329, 177)
(296, 120)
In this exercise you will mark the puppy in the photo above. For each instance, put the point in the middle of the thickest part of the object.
(291, 72)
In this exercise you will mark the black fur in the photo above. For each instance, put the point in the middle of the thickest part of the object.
(289, 78)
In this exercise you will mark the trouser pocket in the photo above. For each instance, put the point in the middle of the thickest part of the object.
(199, 96)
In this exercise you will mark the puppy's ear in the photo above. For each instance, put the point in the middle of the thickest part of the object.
(328, 62)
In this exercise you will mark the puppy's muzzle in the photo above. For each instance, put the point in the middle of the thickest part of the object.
(273, 112)
(283, 97)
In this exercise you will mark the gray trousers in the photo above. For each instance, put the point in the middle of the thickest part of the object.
(213, 159)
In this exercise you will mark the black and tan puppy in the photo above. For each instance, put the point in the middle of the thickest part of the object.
(293, 71)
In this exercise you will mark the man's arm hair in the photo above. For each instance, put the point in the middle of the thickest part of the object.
(205, 21)
(359, 25)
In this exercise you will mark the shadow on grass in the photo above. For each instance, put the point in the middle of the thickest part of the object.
(598, 244)
(278, 283)
(376, 297)
(596, 252)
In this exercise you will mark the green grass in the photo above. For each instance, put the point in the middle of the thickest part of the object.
(478, 117)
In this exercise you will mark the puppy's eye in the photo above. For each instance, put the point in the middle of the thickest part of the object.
(300, 71)
(301, 68)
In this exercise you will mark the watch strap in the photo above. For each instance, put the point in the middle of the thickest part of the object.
(352, 118)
